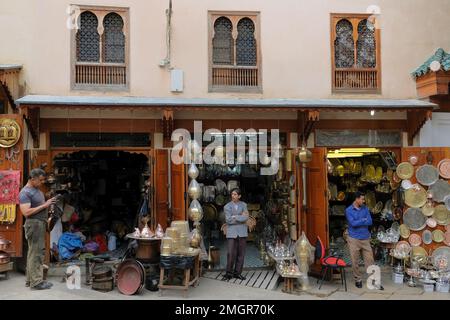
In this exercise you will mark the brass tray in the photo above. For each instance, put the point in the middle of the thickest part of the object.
(416, 197)
(405, 170)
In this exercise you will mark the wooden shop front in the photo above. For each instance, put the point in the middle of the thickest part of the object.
(168, 182)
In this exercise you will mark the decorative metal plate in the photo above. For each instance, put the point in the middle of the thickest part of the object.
(415, 240)
(405, 170)
(403, 246)
(441, 214)
(441, 251)
(444, 168)
(427, 175)
(404, 231)
(414, 219)
(438, 236)
(431, 222)
(427, 237)
(420, 255)
(447, 202)
(439, 190)
(428, 209)
(416, 197)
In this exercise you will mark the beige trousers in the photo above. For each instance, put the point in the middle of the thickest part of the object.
(356, 247)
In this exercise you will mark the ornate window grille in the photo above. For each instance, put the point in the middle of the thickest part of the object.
(88, 39)
(234, 53)
(355, 45)
(100, 50)
(114, 39)
(223, 42)
(246, 43)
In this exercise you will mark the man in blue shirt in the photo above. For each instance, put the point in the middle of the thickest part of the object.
(359, 221)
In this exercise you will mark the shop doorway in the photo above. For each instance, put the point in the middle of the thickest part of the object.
(370, 171)
(102, 194)
(268, 203)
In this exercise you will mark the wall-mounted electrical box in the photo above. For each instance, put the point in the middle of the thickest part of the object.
(176, 80)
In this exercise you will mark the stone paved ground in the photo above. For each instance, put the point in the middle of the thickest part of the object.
(14, 288)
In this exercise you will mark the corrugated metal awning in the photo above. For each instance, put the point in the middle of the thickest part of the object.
(225, 103)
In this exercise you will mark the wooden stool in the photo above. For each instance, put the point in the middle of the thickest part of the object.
(288, 284)
(187, 279)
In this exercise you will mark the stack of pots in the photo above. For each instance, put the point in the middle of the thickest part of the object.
(4, 256)
(102, 279)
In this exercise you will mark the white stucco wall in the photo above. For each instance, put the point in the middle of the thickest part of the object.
(435, 132)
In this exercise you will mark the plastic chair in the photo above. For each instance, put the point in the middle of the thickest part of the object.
(332, 262)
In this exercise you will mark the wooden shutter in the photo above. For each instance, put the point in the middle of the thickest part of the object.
(162, 187)
(178, 191)
(317, 204)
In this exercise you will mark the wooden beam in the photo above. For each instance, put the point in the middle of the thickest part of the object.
(306, 121)
(167, 123)
(415, 121)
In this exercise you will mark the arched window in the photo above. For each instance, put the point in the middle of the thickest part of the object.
(366, 46)
(344, 47)
(246, 43)
(223, 42)
(114, 39)
(88, 38)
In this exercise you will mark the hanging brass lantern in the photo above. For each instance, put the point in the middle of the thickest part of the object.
(196, 238)
(195, 211)
(304, 155)
(193, 171)
(194, 190)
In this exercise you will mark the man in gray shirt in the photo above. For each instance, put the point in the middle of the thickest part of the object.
(236, 216)
(34, 208)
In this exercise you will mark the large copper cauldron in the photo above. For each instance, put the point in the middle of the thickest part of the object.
(148, 250)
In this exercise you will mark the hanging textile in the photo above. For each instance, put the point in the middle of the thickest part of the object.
(9, 186)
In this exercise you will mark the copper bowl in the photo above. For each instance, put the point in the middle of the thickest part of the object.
(130, 277)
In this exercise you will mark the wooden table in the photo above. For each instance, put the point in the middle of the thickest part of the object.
(4, 268)
(188, 280)
(386, 248)
(289, 280)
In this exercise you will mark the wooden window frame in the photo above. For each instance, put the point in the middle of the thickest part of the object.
(235, 17)
(101, 12)
(354, 19)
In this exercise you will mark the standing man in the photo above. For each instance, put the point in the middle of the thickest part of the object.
(236, 216)
(34, 208)
(359, 221)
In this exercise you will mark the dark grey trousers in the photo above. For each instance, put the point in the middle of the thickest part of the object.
(236, 254)
(35, 234)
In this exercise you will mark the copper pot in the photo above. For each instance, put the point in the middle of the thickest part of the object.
(4, 257)
(4, 244)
